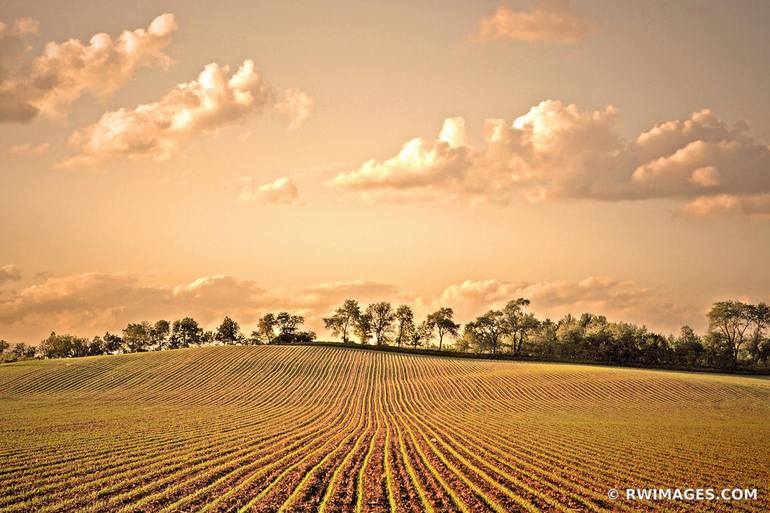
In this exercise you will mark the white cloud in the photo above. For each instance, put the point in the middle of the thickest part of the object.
(282, 190)
(296, 105)
(48, 84)
(158, 130)
(8, 273)
(27, 149)
(551, 21)
(557, 151)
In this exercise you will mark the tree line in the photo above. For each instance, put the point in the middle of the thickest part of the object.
(737, 336)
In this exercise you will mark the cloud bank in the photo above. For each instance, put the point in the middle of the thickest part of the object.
(557, 151)
(280, 191)
(159, 130)
(49, 83)
(551, 21)
(90, 303)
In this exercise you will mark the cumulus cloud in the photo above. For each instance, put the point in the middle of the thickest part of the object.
(49, 83)
(280, 191)
(557, 150)
(8, 273)
(27, 149)
(158, 130)
(551, 21)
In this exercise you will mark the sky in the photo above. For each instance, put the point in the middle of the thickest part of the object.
(159, 159)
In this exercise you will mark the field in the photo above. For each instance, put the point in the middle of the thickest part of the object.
(277, 428)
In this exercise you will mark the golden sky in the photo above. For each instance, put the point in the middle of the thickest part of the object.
(168, 158)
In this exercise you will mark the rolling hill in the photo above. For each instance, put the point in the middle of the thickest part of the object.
(283, 428)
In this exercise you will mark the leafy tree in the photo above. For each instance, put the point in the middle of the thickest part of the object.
(96, 346)
(62, 346)
(363, 327)
(688, 348)
(343, 320)
(422, 334)
(229, 332)
(731, 319)
(487, 331)
(4, 346)
(441, 319)
(159, 334)
(404, 324)
(759, 316)
(185, 332)
(22, 350)
(137, 337)
(383, 321)
(266, 328)
(519, 322)
(287, 325)
(112, 343)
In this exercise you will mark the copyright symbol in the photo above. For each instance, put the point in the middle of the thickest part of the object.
(613, 494)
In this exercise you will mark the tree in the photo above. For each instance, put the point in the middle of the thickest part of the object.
(688, 348)
(22, 350)
(487, 331)
(519, 322)
(62, 346)
(441, 319)
(266, 328)
(229, 332)
(383, 320)
(287, 325)
(159, 334)
(185, 332)
(422, 334)
(137, 337)
(404, 324)
(112, 343)
(96, 346)
(343, 320)
(759, 316)
(4, 346)
(731, 319)
(363, 327)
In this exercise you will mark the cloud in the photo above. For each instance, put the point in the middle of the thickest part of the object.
(159, 130)
(722, 205)
(551, 21)
(9, 273)
(49, 83)
(296, 105)
(558, 151)
(90, 303)
(617, 299)
(282, 190)
(29, 149)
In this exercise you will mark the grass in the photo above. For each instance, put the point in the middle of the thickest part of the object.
(281, 428)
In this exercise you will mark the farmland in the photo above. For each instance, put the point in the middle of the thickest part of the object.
(281, 428)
